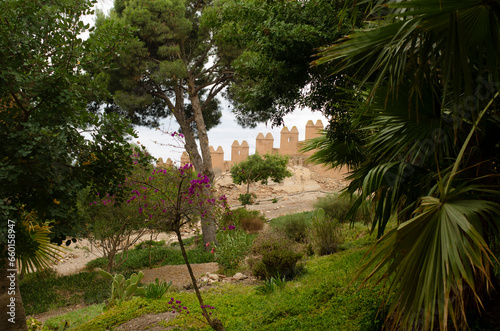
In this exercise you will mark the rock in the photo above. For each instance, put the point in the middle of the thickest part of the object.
(239, 276)
(214, 277)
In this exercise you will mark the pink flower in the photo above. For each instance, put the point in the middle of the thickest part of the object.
(207, 244)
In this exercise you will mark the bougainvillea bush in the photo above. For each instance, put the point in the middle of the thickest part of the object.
(171, 198)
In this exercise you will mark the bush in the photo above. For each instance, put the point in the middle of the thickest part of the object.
(247, 198)
(276, 256)
(234, 246)
(155, 290)
(275, 262)
(248, 220)
(325, 233)
(337, 207)
(295, 226)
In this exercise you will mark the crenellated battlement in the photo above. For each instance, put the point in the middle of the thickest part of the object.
(289, 145)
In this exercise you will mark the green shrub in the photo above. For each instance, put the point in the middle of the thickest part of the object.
(276, 255)
(295, 226)
(247, 198)
(234, 245)
(34, 324)
(155, 290)
(248, 220)
(252, 225)
(271, 285)
(325, 233)
(337, 207)
(275, 262)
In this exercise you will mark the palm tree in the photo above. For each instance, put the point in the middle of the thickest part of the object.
(424, 149)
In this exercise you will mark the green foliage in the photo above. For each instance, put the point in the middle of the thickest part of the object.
(155, 290)
(325, 233)
(276, 255)
(279, 40)
(277, 261)
(337, 206)
(43, 109)
(45, 291)
(242, 218)
(123, 289)
(295, 226)
(428, 160)
(150, 243)
(234, 245)
(247, 198)
(260, 169)
(271, 285)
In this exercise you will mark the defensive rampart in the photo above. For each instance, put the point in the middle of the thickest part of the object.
(289, 145)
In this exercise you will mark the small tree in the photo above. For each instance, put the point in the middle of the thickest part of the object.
(114, 226)
(109, 221)
(171, 198)
(259, 169)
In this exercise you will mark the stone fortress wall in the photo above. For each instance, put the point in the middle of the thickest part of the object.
(289, 145)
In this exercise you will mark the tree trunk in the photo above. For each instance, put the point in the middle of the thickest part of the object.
(208, 225)
(215, 323)
(202, 163)
(13, 316)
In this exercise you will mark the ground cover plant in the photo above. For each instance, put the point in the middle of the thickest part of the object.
(74, 319)
(45, 291)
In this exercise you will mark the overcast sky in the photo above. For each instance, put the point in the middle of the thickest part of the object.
(164, 146)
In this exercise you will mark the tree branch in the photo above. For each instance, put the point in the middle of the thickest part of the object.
(224, 77)
(213, 93)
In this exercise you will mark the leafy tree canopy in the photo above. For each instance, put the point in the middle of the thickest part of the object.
(173, 65)
(260, 169)
(273, 75)
(46, 158)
